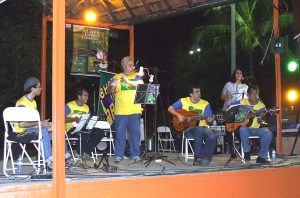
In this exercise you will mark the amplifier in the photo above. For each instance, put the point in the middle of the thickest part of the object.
(288, 138)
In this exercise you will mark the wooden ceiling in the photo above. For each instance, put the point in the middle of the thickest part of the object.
(131, 11)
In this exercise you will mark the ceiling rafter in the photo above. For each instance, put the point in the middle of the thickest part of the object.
(189, 2)
(110, 10)
(128, 9)
(131, 11)
(168, 4)
(149, 10)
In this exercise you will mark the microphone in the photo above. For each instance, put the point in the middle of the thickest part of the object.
(141, 71)
(136, 63)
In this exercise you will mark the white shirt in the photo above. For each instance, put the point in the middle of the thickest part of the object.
(237, 91)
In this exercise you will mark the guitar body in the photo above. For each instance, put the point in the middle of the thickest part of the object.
(231, 127)
(181, 126)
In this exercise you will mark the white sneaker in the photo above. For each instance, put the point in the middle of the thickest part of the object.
(49, 160)
(67, 155)
(135, 159)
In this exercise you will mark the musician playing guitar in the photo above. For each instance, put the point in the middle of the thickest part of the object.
(254, 129)
(202, 152)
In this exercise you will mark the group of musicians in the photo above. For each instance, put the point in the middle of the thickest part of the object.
(128, 114)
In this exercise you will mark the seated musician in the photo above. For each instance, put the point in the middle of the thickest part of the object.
(202, 152)
(32, 89)
(74, 110)
(254, 129)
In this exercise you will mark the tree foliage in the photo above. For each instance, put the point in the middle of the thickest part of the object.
(20, 47)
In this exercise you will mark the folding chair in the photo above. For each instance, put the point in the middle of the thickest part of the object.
(105, 126)
(253, 156)
(69, 140)
(164, 137)
(188, 146)
(11, 115)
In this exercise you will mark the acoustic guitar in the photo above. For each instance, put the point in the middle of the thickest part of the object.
(192, 119)
(232, 126)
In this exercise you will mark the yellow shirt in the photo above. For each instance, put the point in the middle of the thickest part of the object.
(24, 102)
(202, 108)
(74, 110)
(124, 99)
(256, 108)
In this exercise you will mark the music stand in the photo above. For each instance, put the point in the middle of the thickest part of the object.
(83, 120)
(147, 94)
(235, 114)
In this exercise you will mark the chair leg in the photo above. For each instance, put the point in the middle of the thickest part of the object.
(182, 145)
(70, 147)
(186, 150)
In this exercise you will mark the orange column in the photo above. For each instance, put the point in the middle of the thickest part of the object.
(131, 41)
(278, 79)
(44, 68)
(58, 98)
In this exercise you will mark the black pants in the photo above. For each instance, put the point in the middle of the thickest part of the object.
(89, 140)
(230, 140)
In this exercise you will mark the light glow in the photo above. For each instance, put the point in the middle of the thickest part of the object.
(90, 16)
(292, 95)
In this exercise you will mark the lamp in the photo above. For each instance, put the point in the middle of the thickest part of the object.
(89, 16)
(141, 73)
(195, 49)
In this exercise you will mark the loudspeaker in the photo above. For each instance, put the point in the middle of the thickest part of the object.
(288, 139)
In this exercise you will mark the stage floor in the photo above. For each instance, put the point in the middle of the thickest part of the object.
(126, 169)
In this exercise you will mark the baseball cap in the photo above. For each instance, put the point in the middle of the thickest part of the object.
(30, 82)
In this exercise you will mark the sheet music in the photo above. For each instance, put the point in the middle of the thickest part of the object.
(83, 121)
(92, 122)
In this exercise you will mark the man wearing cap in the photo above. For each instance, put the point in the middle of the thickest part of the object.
(32, 88)
(127, 114)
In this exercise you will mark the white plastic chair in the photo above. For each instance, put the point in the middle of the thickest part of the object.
(164, 137)
(186, 143)
(12, 115)
(105, 126)
(252, 156)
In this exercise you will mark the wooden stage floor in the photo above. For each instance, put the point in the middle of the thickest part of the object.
(84, 171)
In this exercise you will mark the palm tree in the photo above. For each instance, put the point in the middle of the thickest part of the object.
(254, 24)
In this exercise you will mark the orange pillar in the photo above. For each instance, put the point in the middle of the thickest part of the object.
(278, 79)
(58, 98)
(131, 41)
(44, 68)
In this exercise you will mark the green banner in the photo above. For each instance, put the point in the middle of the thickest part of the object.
(106, 103)
(90, 47)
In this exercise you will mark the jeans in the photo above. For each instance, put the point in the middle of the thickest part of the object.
(89, 140)
(46, 137)
(201, 134)
(264, 134)
(132, 124)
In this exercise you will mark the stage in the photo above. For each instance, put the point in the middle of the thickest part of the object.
(85, 170)
(161, 179)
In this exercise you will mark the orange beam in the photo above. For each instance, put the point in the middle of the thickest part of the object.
(58, 98)
(44, 68)
(131, 41)
(95, 24)
(276, 182)
(278, 80)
